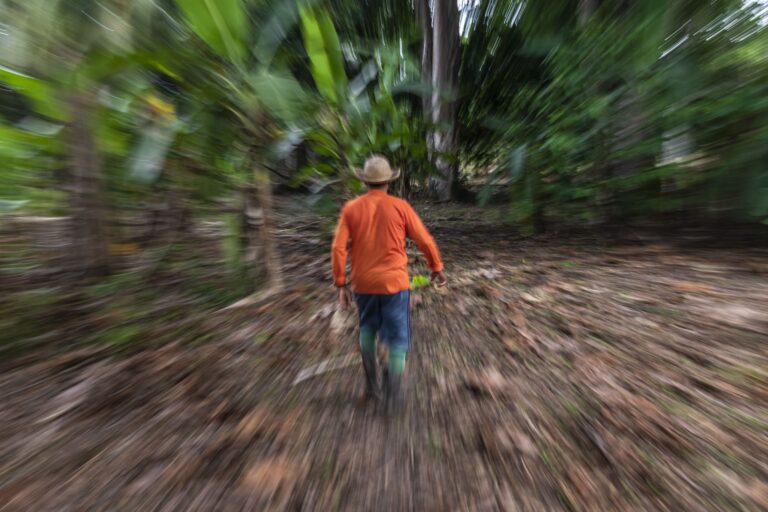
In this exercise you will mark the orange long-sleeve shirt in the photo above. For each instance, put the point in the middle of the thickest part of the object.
(376, 224)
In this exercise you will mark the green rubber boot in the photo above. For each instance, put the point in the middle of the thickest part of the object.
(394, 400)
(371, 381)
(394, 376)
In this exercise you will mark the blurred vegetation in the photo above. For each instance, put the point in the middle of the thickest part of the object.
(620, 110)
(134, 120)
(165, 162)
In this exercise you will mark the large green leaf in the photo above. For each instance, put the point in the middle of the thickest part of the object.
(367, 74)
(284, 17)
(7, 205)
(279, 94)
(40, 94)
(20, 141)
(333, 48)
(324, 50)
(286, 143)
(222, 24)
(151, 152)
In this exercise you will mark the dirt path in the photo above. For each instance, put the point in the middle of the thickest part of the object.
(550, 376)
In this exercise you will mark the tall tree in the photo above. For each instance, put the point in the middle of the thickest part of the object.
(261, 94)
(88, 209)
(446, 54)
(65, 43)
(424, 18)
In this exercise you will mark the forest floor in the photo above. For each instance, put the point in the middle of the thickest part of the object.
(553, 373)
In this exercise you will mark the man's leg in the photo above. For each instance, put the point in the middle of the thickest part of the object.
(396, 331)
(368, 353)
(396, 360)
(395, 367)
(370, 322)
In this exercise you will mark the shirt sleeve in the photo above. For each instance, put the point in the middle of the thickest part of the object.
(339, 251)
(417, 232)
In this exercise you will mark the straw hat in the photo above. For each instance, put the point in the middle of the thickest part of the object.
(377, 170)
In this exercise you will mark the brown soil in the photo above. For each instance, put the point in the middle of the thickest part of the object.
(549, 375)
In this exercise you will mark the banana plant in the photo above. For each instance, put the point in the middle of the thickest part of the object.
(59, 57)
(322, 44)
(244, 78)
(361, 115)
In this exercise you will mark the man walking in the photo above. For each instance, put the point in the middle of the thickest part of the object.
(375, 226)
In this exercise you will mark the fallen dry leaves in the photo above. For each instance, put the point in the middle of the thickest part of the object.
(572, 374)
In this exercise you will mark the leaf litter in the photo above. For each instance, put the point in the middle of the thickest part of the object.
(634, 377)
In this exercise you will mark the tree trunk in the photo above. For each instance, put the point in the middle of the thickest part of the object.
(272, 265)
(250, 218)
(405, 190)
(445, 70)
(586, 9)
(403, 183)
(629, 132)
(628, 128)
(88, 229)
(424, 18)
(605, 165)
(536, 217)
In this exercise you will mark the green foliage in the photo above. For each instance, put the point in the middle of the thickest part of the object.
(231, 242)
(7, 206)
(627, 111)
(222, 24)
(150, 153)
(40, 94)
(376, 116)
(121, 337)
(632, 110)
(324, 50)
(280, 94)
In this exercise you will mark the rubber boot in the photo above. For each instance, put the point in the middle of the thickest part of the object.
(385, 381)
(394, 394)
(371, 383)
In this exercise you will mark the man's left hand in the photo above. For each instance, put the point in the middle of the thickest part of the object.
(345, 298)
(439, 279)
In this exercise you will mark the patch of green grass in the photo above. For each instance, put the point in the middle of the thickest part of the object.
(27, 315)
(121, 337)
(231, 242)
(564, 500)
(261, 337)
(547, 459)
(755, 422)
(197, 338)
(743, 374)
(214, 293)
(570, 406)
(435, 445)
(328, 469)
(659, 309)
(113, 285)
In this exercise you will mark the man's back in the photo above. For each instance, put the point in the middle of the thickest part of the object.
(377, 224)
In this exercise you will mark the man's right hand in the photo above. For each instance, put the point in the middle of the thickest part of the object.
(345, 298)
(439, 279)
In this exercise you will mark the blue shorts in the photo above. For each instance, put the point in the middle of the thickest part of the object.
(388, 315)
